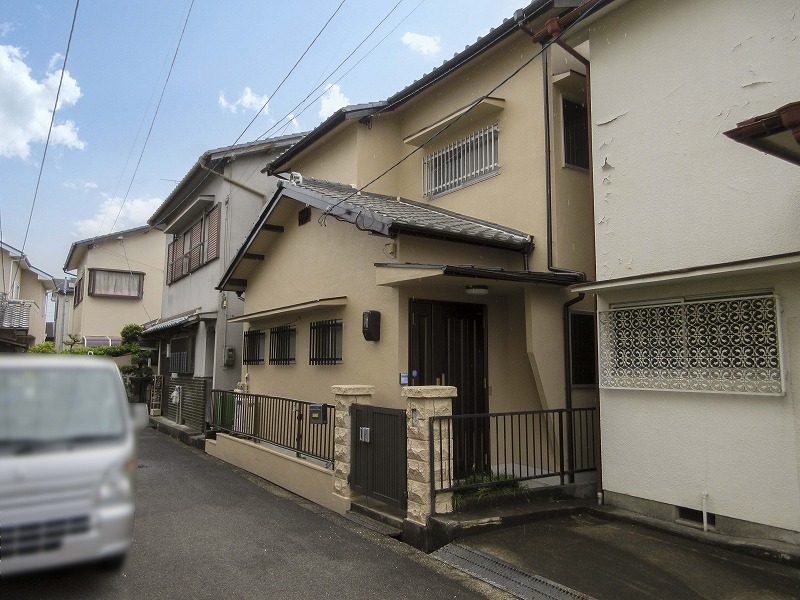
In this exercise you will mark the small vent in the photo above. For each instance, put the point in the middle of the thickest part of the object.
(690, 516)
(304, 216)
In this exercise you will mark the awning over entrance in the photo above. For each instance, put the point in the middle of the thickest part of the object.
(170, 322)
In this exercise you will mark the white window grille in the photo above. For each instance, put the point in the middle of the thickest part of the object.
(729, 345)
(463, 162)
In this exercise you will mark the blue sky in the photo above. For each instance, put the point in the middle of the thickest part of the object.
(232, 59)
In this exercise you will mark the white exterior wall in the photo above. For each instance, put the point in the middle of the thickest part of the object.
(667, 79)
(672, 192)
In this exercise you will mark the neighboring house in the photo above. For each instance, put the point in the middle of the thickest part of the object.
(205, 219)
(64, 299)
(430, 239)
(698, 260)
(118, 281)
(23, 302)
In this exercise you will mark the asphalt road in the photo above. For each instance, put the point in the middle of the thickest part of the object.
(205, 529)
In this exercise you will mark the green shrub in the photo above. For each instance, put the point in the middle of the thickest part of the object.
(43, 348)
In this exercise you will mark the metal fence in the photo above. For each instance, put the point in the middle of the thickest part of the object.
(282, 422)
(493, 449)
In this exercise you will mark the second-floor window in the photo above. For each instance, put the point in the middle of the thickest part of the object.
(195, 247)
(78, 297)
(326, 342)
(461, 163)
(576, 134)
(115, 284)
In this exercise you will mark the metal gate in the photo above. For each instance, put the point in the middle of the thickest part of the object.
(379, 453)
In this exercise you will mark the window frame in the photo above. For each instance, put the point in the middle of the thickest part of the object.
(139, 275)
(198, 245)
(575, 133)
(582, 350)
(189, 341)
(326, 342)
(283, 345)
(253, 347)
(467, 161)
(78, 292)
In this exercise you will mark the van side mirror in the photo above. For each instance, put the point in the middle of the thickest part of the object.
(140, 416)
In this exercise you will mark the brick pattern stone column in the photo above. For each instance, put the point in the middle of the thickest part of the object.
(345, 395)
(423, 402)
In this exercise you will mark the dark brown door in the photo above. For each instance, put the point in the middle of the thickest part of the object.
(448, 347)
(379, 453)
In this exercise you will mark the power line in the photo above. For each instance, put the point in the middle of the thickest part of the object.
(50, 129)
(153, 122)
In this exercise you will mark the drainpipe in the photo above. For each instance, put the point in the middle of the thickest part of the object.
(552, 31)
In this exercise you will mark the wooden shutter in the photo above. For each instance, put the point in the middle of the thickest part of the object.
(176, 267)
(196, 246)
(170, 260)
(212, 235)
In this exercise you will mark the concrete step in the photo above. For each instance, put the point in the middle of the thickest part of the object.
(372, 524)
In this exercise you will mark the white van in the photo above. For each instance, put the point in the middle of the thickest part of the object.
(67, 462)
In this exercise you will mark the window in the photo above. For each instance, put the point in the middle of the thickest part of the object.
(326, 342)
(282, 344)
(576, 134)
(253, 347)
(115, 284)
(720, 345)
(196, 247)
(181, 359)
(78, 298)
(467, 161)
(582, 348)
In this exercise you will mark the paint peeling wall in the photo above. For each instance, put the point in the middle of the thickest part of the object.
(668, 78)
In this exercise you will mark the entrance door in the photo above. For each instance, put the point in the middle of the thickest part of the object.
(448, 347)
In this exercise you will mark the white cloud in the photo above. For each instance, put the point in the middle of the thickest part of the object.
(248, 99)
(332, 100)
(86, 186)
(134, 213)
(295, 123)
(6, 28)
(424, 44)
(26, 106)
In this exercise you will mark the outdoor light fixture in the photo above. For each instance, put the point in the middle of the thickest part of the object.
(477, 290)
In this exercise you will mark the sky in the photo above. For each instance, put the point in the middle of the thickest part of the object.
(121, 139)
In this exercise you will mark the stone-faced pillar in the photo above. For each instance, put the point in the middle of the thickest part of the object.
(345, 396)
(424, 402)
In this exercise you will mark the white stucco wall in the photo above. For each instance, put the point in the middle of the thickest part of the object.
(667, 79)
(743, 450)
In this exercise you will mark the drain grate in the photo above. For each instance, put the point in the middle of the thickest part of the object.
(504, 576)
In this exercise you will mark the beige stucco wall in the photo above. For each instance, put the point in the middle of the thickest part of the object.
(667, 80)
(107, 316)
(744, 450)
(32, 289)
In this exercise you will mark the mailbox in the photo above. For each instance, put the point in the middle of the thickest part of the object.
(318, 414)
(371, 325)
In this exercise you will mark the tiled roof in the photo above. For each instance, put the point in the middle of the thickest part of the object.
(15, 314)
(391, 214)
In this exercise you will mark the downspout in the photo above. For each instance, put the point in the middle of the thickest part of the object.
(552, 30)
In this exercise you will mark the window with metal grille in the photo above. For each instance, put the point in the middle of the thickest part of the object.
(576, 134)
(180, 355)
(582, 348)
(254, 341)
(461, 163)
(326, 342)
(282, 344)
(722, 345)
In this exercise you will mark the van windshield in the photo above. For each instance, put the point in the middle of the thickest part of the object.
(58, 408)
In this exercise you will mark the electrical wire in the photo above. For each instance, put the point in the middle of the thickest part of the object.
(155, 115)
(130, 272)
(49, 132)
(516, 72)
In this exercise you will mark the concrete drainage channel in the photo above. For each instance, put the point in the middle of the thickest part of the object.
(504, 576)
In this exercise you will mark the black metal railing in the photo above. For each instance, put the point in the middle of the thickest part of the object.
(282, 422)
(493, 449)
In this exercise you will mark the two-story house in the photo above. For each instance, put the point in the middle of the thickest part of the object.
(698, 259)
(431, 239)
(205, 219)
(23, 303)
(118, 281)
